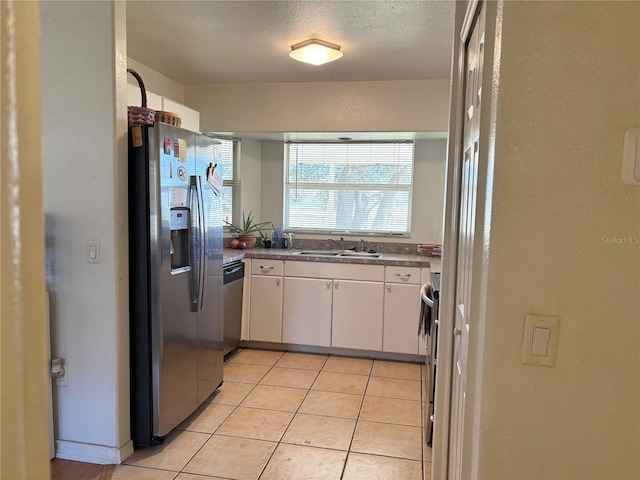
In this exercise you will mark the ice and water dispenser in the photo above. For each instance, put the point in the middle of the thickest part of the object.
(179, 225)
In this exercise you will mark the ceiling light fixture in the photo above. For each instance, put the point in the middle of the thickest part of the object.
(315, 52)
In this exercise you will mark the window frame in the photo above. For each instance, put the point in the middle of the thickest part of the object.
(287, 186)
(234, 183)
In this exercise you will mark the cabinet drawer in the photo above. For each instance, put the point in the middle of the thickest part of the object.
(372, 273)
(409, 275)
(260, 266)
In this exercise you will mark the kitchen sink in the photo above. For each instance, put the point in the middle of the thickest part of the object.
(318, 253)
(338, 253)
(360, 254)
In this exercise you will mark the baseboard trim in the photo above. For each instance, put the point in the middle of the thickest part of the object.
(87, 452)
(347, 352)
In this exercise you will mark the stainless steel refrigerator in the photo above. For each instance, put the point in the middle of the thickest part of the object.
(175, 251)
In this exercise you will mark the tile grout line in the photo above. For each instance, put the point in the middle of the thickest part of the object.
(304, 398)
(291, 421)
(344, 467)
(235, 407)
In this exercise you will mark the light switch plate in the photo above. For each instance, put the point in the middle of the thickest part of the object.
(540, 338)
(93, 251)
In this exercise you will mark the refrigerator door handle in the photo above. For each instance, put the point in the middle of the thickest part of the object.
(197, 243)
(203, 242)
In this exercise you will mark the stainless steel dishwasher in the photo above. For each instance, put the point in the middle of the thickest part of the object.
(233, 275)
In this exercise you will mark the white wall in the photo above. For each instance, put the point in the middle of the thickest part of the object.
(392, 106)
(156, 82)
(569, 87)
(85, 198)
(250, 170)
(427, 205)
(272, 180)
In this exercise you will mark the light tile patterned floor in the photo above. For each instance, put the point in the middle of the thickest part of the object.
(298, 416)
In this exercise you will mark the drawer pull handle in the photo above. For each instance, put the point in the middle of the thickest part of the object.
(403, 275)
(278, 282)
(389, 288)
(335, 285)
(265, 269)
(328, 285)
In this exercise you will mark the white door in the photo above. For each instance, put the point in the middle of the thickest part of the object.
(463, 322)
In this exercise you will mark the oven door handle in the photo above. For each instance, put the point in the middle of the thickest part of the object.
(424, 320)
(427, 300)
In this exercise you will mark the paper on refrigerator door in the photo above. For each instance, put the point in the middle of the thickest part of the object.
(213, 179)
(177, 197)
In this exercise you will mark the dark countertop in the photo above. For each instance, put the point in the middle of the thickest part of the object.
(232, 255)
(391, 259)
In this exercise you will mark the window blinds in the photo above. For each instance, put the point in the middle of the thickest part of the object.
(349, 187)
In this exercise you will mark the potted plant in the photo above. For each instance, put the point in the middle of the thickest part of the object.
(246, 230)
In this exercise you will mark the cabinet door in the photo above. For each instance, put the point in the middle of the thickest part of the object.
(307, 311)
(357, 315)
(401, 312)
(266, 309)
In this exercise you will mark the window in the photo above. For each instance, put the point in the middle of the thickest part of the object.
(227, 158)
(348, 187)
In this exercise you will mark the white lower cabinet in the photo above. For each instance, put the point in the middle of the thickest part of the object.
(401, 312)
(265, 324)
(357, 315)
(363, 307)
(330, 312)
(307, 311)
(266, 309)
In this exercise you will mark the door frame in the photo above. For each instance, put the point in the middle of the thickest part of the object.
(464, 21)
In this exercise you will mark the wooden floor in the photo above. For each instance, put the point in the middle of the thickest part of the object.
(70, 470)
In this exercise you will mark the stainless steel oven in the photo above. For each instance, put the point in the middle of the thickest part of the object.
(428, 331)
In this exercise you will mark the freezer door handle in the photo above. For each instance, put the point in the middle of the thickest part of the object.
(197, 242)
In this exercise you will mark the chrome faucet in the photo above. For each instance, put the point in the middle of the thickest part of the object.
(339, 245)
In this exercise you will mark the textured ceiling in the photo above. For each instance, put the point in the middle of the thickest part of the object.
(201, 42)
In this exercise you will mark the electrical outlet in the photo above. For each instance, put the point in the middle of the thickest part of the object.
(63, 381)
